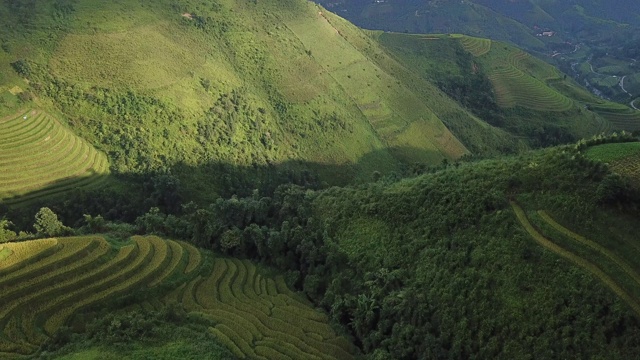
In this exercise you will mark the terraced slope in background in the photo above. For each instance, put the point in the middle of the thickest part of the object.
(37, 151)
(620, 116)
(502, 85)
(43, 283)
(521, 80)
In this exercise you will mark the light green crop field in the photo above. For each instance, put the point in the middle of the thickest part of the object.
(613, 152)
(41, 157)
(46, 283)
(521, 80)
(514, 88)
(623, 159)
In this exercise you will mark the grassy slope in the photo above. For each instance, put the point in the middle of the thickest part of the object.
(241, 83)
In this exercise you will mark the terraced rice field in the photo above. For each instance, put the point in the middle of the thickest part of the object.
(629, 121)
(41, 157)
(43, 283)
(623, 159)
(599, 272)
(476, 46)
(513, 88)
(620, 116)
(258, 317)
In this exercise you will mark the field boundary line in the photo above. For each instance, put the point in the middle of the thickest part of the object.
(592, 244)
(550, 245)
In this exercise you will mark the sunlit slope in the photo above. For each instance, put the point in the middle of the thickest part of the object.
(38, 152)
(501, 84)
(259, 317)
(521, 80)
(45, 283)
(235, 82)
(395, 113)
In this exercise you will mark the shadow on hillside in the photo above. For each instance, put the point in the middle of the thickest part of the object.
(124, 197)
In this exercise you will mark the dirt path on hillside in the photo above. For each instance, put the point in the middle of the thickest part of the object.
(585, 264)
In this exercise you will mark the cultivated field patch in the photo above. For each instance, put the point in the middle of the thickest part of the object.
(514, 87)
(45, 283)
(41, 157)
(622, 158)
(258, 316)
(476, 46)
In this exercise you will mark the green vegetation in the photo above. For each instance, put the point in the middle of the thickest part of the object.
(229, 138)
(613, 152)
(580, 261)
(260, 85)
(502, 85)
(38, 152)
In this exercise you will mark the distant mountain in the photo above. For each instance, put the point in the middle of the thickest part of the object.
(517, 21)
(594, 41)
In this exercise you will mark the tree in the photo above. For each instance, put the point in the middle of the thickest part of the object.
(5, 233)
(47, 223)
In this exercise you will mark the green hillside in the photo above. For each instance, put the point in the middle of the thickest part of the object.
(277, 84)
(277, 89)
(52, 283)
(503, 85)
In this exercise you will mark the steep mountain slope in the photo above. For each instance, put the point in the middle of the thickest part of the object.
(593, 41)
(509, 88)
(231, 82)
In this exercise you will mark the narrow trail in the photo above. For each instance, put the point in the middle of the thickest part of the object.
(593, 269)
(633, 104)
(622, 85)
(628, 269)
